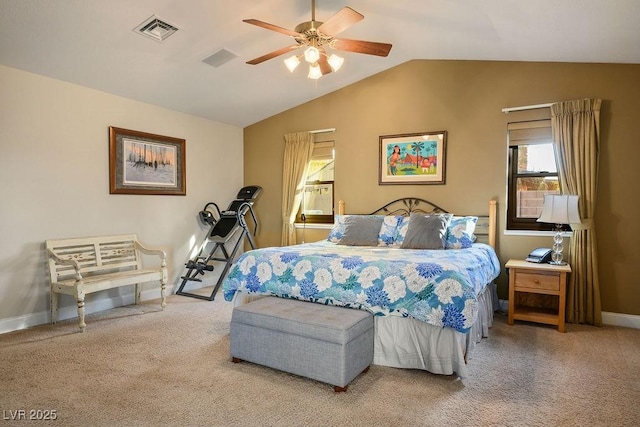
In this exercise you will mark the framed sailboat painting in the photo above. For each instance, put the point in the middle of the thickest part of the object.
(144, 163)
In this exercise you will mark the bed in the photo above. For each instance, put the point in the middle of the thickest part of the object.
(426, 274)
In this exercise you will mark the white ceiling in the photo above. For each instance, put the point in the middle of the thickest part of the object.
(91, 43)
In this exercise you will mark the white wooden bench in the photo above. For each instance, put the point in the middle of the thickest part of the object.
(80, 266)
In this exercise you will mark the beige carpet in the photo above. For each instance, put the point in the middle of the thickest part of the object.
(139, 366)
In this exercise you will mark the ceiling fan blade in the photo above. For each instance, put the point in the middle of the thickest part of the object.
(272, 27)
(361, 46)
(339, 22)
(325, 68)
(272, 55)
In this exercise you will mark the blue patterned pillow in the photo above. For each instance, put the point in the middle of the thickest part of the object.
(388, 231)
(337, 231)
(460, 232)
(401, 231)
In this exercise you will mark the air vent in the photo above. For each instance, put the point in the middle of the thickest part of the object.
(219, 58)
(156, 29)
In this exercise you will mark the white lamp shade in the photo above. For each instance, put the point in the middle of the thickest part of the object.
(560, 209)
(292, 62)
(335, 62)
(315, 72)
(311, 55)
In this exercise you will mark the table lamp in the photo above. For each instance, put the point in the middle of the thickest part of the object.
(559, 209)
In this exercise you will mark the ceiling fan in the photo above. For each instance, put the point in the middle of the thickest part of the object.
(316, 36)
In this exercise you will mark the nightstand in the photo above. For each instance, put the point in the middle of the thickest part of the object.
(545, 279)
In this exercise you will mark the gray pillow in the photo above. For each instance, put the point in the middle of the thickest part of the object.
(426, 231)
(361, 230)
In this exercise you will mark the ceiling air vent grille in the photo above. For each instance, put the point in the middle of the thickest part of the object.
(156, 29)
(220, 58)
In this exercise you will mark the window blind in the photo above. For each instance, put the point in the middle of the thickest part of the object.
(529, 132)
(322, 150)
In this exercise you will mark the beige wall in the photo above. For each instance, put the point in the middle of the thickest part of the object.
(54, 168)
(465, 98)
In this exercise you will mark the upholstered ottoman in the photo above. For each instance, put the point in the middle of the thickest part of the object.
(321, 342)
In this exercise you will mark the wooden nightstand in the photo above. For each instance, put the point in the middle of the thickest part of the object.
(545, 279)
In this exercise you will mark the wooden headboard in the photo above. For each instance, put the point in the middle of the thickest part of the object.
(485, 228)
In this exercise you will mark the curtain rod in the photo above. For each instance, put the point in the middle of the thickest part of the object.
(527, 107)
(323, 130)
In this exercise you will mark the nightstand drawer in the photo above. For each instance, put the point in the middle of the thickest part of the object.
(542, 281)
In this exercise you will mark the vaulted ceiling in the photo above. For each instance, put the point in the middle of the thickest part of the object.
(92, 43)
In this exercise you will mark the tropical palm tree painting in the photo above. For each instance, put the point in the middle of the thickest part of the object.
(415, 158)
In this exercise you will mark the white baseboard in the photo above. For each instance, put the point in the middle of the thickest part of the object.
(34, 319)
(621, 319)
(29, 320)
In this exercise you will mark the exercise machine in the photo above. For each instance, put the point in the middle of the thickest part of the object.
(225, 226)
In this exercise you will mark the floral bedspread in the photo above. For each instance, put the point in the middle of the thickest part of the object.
(439, 287)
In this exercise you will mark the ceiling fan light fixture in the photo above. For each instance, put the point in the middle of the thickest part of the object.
(315, 37)
(335, 61)
(292, 63)
(314, 71)
(311, 55)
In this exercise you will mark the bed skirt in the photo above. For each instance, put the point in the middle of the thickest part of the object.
(403, 342)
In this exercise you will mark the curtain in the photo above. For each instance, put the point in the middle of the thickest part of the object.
(576, 134)
(298, 148)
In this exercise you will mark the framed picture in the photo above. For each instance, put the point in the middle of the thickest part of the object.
(413, 158)
(143, 163)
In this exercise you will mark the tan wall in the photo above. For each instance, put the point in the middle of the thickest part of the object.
(465, 98)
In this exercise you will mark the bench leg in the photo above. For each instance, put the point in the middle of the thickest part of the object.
(54, 307)
(137, 289)
(80, 301)
(163, 293)
(338, 389)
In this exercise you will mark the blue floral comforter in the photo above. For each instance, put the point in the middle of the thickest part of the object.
(439, 287)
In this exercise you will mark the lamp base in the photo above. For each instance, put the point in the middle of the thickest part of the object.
(557, 263)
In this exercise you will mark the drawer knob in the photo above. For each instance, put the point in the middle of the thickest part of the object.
(536, 281)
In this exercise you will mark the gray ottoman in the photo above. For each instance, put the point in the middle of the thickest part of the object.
(321, 342)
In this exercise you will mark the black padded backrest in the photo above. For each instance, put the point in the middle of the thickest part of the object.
(224, 226)
(249, 193)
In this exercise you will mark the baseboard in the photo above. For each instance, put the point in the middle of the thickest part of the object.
(621, 319)
(29, 320)
(608, 318)
(34, 319)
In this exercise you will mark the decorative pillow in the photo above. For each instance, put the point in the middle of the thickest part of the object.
(388, 231)
(460, 232)
(361, 230)
(401, 231)
(337, 231)
(426, 231)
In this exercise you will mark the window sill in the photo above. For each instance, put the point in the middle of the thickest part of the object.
(317, 226)
(535, 233)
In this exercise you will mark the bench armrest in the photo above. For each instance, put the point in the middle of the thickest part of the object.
(162, 254)
(66, 261)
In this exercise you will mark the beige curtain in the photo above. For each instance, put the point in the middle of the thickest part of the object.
(298, 148)
(576, 134)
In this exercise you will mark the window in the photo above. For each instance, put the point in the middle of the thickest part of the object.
(532, 173)
(317, 199)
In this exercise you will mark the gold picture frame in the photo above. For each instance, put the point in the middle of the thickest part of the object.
(144, 163)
